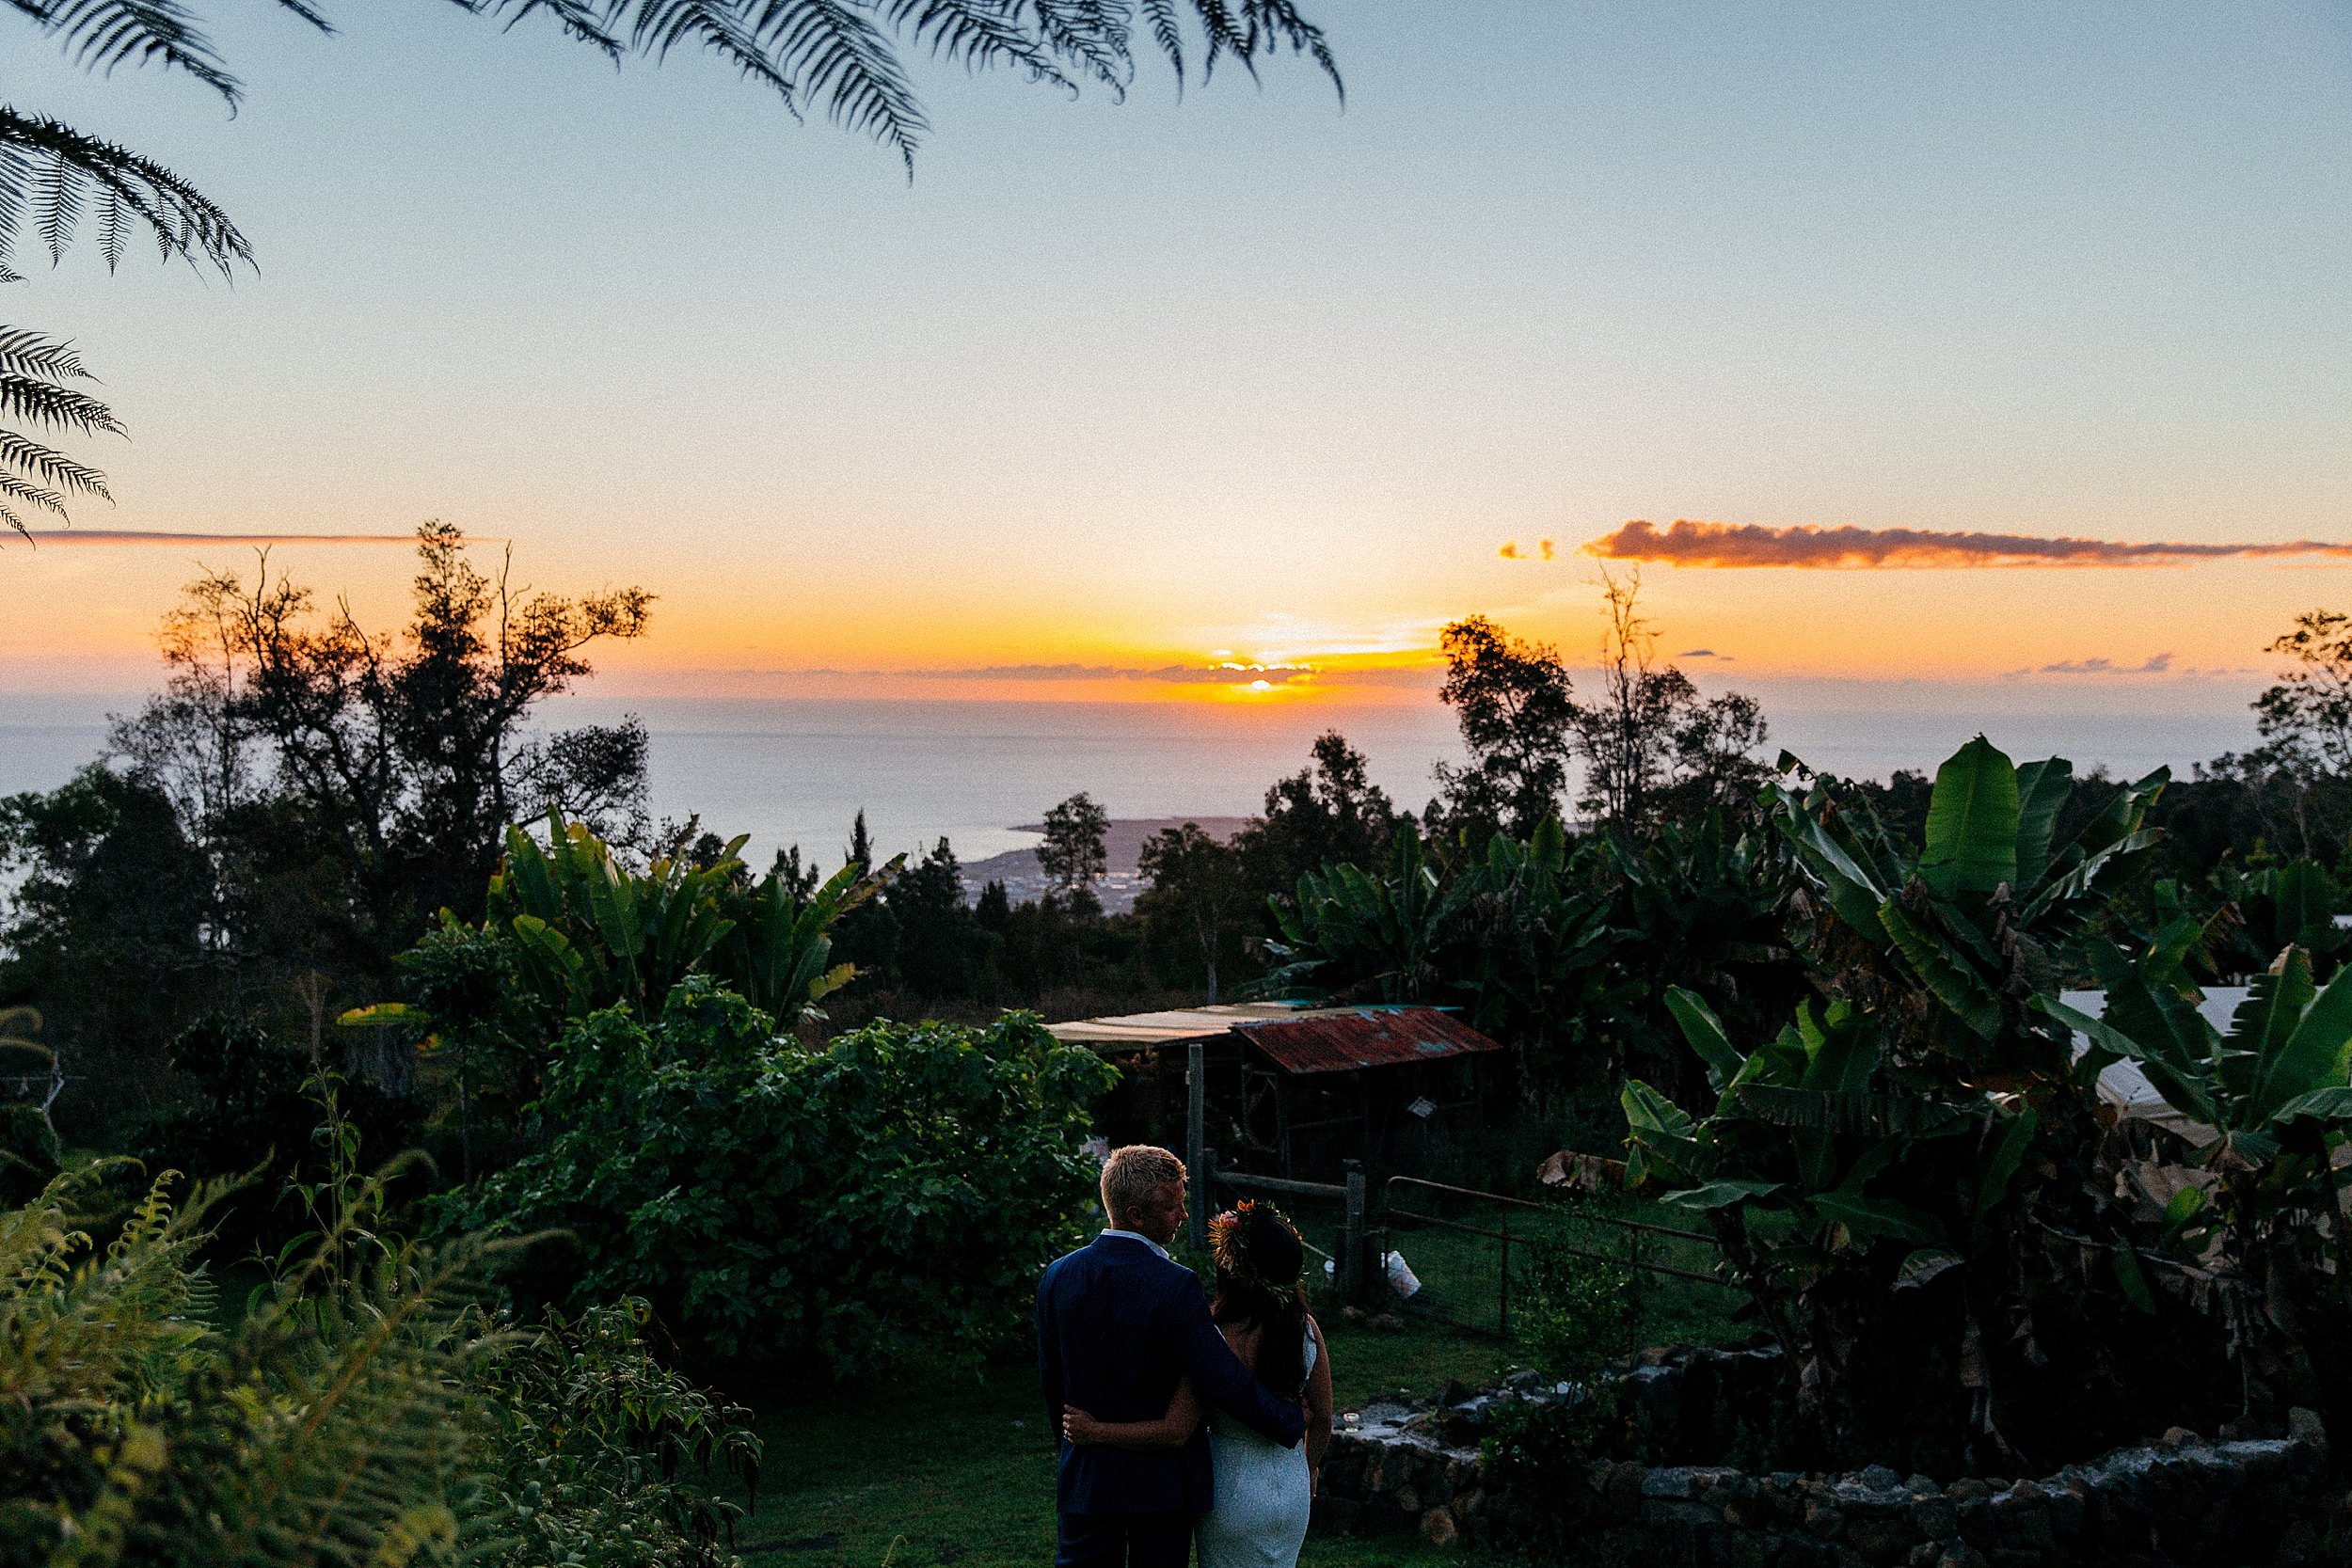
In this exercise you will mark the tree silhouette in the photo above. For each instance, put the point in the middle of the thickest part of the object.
(1072, 857)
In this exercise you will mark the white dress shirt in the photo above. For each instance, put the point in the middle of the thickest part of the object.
(1137, 1236)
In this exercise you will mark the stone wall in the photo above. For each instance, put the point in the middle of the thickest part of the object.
(2184, 1501)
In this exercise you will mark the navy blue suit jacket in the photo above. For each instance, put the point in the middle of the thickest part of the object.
(1117, 1326)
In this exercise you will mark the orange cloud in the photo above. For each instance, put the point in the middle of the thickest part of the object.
(1694, 544)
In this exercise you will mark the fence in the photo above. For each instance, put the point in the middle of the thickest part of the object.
(1462, 1248)
(1460, 1245)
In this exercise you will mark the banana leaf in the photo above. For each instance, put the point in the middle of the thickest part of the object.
(2043, 790)
(1883, 1116)
(1972, 824)
(2315, 1051)
(1945, 974)
(1883, 1218)
(1705, 1031)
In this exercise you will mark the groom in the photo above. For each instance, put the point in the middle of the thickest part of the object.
(1118, 1324)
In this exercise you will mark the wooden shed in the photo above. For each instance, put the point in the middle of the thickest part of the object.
(1281, 1090)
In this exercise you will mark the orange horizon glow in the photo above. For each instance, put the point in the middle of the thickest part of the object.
(86, 618)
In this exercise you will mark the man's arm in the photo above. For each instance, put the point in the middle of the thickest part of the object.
(1223, 1381)
(1049, 1362)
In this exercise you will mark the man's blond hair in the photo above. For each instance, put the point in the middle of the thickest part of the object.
(1133, 1177)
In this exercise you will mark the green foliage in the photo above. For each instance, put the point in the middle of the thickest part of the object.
(589, 934)
(1353, 930)
(2262, 1225)
(1517, 714)
(366, 1410)
(106, 929)
(590, 1432)
(2292, 905)
(1886, 1175)
(1573, 1312)
(254, 1112)
(897, 1190)
(1195, 884)
(1072, 854)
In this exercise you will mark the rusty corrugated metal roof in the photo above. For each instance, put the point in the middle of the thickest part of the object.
(1342, 1041)
(1173, 1027)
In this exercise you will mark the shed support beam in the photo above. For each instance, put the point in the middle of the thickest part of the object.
(1196, 1138)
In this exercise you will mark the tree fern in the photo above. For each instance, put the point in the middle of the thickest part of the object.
(842, 58)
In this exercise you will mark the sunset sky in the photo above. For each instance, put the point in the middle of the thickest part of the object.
(1252, 379)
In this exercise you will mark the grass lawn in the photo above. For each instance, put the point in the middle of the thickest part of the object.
(948, 1471)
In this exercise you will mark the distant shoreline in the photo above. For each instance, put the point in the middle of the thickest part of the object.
(1123, 847)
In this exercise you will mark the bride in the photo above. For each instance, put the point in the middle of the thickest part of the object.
(1263, 1493)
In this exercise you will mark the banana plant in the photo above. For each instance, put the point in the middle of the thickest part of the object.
(2275, 1090)
(1978, 922)
(1816, 1154)
(2293, 905)
(592, 934)
(775, 950)
(1355, 930)
(1907, 1177)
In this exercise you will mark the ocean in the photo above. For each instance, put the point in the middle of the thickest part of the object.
(789, 770)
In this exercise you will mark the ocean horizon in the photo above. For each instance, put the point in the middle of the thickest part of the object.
(797, 771)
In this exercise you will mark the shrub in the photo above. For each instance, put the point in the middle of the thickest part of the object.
(897, 1190)
(1574, 1312)
(589, 1432)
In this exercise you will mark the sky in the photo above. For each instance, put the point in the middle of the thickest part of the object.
(1112, 395)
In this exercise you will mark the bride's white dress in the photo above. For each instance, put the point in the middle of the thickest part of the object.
(1258, 1514)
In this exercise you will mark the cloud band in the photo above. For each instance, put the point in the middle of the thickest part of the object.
(126, 536)
(1695, 544)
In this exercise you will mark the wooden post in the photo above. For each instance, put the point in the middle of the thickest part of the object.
(1352, 1237)
(1505, 1295)
(1197, 1137)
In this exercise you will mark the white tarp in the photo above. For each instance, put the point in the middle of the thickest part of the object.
(2125, 1087)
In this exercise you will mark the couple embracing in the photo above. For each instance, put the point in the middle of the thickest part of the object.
(1176, 1413)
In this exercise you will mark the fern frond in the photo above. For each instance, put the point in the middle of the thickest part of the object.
(976, 34)
(586, 21)
(27, 352)
(1092, 34)
(830, 50)
(32, 495)
(47, 168)
(52, 466)
(1168, 33)
(101, 35)
(58, 194)
(662, 24)
(44, 402)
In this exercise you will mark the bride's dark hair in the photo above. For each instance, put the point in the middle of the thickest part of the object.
(1259, 1260)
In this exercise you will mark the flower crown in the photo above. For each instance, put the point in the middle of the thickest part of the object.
(1232, 1254)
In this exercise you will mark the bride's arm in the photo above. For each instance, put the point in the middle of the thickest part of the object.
(1172, 1431)
(1318, 1401)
